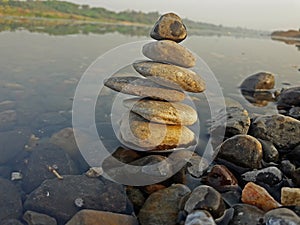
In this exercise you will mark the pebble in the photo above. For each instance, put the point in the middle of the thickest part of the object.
(167, 51)
(10, 201)
(258, 196)
(8, 119)
(136, 197)
(34, 218)
(56, 197)
(221, 179)
(294, 156)
(281, 216)
(246, 215)
(205, 198)
(282, 131)
(290, 196)
(199, 217)
(162, 207)
(152, 136)
(94, 172)
(172, 113)
(187, 79)
(169, 27)
(94, 217)
(288, 98)
(259, 81)
(270, 175)
(270, 153)
(242, 150)
(144, 88)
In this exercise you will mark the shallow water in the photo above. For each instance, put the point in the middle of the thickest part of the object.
(39, 72)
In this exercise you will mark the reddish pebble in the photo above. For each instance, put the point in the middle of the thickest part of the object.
(258, 196)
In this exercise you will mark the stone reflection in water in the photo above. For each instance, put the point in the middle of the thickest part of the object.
(258, 98)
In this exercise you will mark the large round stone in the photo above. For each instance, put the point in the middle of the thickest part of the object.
(169, 52)
(169, 27)
(153, 136)
(144, 88)
(164, 112)
(242, 150)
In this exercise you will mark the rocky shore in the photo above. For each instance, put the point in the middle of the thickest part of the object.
(253, 179)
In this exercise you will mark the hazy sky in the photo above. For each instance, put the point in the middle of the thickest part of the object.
(258, 14)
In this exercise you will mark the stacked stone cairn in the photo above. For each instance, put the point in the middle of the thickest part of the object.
(159, 120)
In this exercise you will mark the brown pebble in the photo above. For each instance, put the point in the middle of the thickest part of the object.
(290, 196)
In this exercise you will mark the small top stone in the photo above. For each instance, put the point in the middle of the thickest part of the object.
(169, 27)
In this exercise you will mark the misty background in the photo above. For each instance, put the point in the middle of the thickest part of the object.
(256, 14)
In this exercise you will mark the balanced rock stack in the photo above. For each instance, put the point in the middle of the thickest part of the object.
(159, 120)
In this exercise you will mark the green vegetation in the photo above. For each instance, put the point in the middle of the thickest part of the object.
(59, 18)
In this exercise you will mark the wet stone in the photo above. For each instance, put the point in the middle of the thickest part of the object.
(167, 51)
(246, 215)
(172, 113)
(221, 179)
(199, 217)
(205, 198)
(34, 218)
(258, 196)
(290, 196)
(259, 81)
(232, 197)
(10, 201)
(282, 131)
(258, 98)
(287, 168)
(56, 198)
(270, 153)
(294, 156)
(152, 136)
(270, 175)
(93, 217)
(187, 79)
(281, 216)
(162, 207)
(37, 168)
(242, 150)
(289, 98)
(169, 27)
(144, 88)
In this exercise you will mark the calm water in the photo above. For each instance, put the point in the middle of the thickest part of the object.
(39, 72)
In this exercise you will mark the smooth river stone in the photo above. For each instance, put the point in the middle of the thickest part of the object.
(144, 88)
(169, 52)
(153, 136)
(242, 150)
(164, 112)
(259, 81)
(187, 79)
(258, 196)
(169, 27)
(282, 131)
(290, 196)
